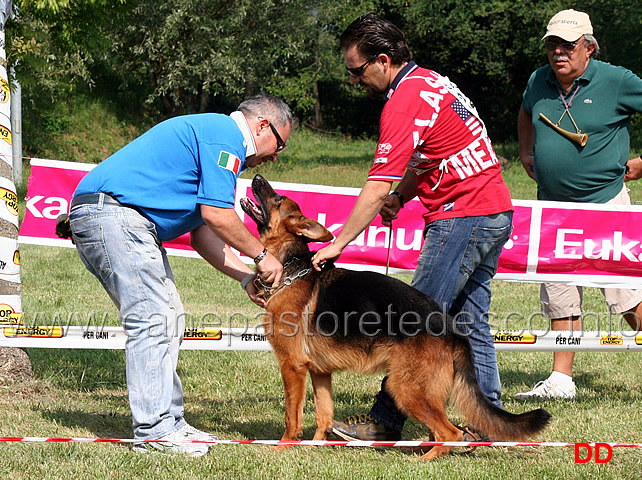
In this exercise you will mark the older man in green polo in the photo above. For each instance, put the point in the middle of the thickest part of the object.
(574, 142)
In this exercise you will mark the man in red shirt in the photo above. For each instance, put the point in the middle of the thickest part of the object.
(431, 141)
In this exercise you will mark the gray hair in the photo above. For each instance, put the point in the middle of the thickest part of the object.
(591, 40)
(269, 107)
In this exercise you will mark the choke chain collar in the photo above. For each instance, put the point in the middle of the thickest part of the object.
(286, 281)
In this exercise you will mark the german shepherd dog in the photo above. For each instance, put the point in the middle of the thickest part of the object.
(337, 319)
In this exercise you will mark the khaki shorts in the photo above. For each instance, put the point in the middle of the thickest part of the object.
(562, 301)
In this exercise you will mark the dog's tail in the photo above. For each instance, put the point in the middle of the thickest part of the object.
(485, 417)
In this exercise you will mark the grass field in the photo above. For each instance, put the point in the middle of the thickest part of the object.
(238, 395)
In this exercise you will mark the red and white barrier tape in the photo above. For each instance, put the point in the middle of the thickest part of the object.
(326, 443)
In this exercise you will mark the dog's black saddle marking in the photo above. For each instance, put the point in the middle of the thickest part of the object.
(365, 305)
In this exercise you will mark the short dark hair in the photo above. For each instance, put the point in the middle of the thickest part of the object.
(373, 35)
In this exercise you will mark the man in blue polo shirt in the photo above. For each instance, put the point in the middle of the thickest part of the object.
(178, 177)
(574, 142)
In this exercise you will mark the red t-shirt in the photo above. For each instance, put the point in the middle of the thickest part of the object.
(430, 127)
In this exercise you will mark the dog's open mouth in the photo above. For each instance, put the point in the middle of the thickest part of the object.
(253, 210)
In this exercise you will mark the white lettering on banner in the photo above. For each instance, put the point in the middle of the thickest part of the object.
(400, 243)
(322, 217)
(372, 236)
(563, 242)
(589, 246)
(61, 206)
(599, 233)
(619, 249)
(369, 236)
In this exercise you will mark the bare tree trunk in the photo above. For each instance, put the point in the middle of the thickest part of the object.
(318, 118)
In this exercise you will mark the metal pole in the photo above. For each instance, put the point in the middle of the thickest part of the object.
(16, 127)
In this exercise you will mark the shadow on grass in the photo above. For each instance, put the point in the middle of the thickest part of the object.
(588, 385)
(222, 414)
(79, 370)
(100, 424)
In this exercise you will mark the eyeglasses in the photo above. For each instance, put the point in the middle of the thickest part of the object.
(552, 45)
(280, 144)
(358, 71)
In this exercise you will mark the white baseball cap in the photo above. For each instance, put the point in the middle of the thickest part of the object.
(569, 25)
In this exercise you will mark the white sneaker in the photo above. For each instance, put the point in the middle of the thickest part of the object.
(173, 443)
(193, 433)
(548, 389)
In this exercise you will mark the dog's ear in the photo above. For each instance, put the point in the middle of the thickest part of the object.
(309, 229)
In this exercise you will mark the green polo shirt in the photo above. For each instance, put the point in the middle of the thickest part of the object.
(602, 107)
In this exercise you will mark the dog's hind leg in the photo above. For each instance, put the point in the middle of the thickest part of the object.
(323, 405)
(294, 379)
(428, 406)
(431, 412)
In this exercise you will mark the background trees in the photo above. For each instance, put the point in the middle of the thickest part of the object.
(156, 58)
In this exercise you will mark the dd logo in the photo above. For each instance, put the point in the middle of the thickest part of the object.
(589, 453)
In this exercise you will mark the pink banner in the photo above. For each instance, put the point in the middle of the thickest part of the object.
(584, 244)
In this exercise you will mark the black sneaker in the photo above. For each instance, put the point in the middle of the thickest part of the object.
(364, 427)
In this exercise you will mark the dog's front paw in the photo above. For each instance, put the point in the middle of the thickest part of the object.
(280, 448)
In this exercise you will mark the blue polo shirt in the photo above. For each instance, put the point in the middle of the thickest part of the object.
(606, 99)
(173, 168)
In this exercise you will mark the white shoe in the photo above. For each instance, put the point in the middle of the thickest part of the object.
(173, 443)
(548, 389)
(193, 433)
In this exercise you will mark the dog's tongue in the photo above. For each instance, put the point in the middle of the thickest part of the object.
(252, 209)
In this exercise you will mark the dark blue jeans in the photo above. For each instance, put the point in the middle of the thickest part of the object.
(455, 267)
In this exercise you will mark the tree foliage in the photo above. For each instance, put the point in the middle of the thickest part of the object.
(168, 58)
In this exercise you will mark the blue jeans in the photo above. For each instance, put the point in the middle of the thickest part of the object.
(121, 248)
(457, 262)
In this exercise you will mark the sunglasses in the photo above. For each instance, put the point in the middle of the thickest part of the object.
(358, 71)
(280, 144)
(552, 45)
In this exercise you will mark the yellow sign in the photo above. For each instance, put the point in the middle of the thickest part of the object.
(5, 91)
(611, 339)
(8, 316)
(33, 332)
(5, 134)
(10, 198)
(202, 334)
(514, 337)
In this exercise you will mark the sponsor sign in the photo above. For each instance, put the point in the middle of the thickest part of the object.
(8, 313)
(575, 243)
(33, 332)
(514, 337)
(203, 334)
(254, 338)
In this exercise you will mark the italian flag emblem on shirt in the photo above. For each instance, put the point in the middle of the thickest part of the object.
(229, 162)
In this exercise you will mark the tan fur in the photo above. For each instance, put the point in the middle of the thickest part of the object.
(422, 370)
